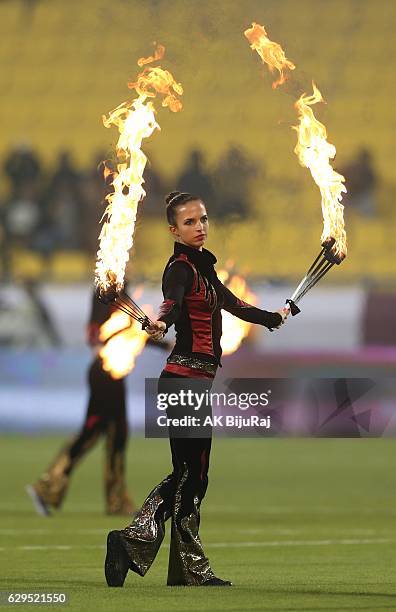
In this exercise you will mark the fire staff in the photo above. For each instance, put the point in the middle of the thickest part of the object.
(193, 299)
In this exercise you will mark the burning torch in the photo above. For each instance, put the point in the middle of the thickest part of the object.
(313, 152)
(135, 121)
(322, 264)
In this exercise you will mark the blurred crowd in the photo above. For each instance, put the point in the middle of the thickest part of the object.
(46, 211)
(60, 209)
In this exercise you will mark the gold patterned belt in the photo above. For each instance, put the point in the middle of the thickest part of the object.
(193, 362)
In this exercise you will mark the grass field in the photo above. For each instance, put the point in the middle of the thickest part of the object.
(295, 524)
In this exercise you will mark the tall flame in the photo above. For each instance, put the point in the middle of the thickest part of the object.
(135, 121)
(270, 52)
(314, 152)
(123, 340)
(235, 330)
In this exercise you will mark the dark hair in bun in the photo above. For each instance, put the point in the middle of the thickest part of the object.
(174, 199)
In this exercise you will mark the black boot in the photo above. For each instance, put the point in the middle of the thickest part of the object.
(143, 537)
(188, 564)
(117, 560)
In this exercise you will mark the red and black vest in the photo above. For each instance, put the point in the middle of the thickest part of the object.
(198, 324)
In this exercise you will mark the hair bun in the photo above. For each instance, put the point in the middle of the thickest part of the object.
(171, 195)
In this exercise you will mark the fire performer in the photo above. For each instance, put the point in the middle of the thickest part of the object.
(193, 299)
(105, 416)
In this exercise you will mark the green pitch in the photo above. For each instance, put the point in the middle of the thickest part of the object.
(295, 524)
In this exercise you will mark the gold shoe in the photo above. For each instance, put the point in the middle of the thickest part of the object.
(123, 506)
(38, 502)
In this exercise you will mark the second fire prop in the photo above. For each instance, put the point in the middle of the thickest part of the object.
(315, 153)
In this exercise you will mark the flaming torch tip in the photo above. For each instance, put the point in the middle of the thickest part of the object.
(333, 256)
(107, 295)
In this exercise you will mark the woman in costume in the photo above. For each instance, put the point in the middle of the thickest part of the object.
(193, 299)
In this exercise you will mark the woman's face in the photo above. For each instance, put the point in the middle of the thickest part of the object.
(192, 224)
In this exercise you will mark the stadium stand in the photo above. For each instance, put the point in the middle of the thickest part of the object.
(64, 68)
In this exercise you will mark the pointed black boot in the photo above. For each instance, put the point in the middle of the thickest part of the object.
(117, 560)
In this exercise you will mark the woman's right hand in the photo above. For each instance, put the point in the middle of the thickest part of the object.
(156, 330)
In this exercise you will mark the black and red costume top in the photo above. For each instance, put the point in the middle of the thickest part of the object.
(193, 299)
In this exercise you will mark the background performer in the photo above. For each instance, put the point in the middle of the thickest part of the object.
(193, 299)
(105, 416)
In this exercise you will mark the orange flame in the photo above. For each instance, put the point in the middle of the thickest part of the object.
(235, 330)
(155, 80)
(270, 52)
(135, 121)
(314, 152)
(123, 340)
(158, 54)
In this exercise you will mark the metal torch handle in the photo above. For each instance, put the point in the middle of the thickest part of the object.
(294, 309)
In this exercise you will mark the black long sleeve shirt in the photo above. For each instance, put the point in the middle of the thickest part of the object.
(193, 299)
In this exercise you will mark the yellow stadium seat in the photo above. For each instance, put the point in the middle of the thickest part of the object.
(70, 266)
(27, 265)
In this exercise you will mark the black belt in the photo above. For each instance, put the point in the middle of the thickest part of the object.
(193, 362)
